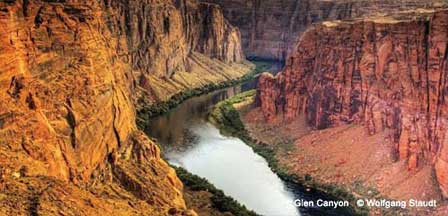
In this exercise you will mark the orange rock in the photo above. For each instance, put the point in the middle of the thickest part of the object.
(270, 28)
(386, 73)
(67, 72)
(268, 92)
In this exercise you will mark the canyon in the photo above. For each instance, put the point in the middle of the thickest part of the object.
(72, 73)
(270, 29)
(373, 90)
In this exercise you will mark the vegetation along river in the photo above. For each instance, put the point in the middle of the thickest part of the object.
(188, 140)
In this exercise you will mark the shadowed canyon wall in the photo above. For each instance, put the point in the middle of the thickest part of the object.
(174, 45)
(159, 36)
(386, 73)
(70, 71)
(270, 29)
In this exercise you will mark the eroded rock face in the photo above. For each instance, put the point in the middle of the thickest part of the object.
(387, 73)
(173, 45)
(158, 36)
(65, 94)
(68, 72)
(217, 38)
(270, 29)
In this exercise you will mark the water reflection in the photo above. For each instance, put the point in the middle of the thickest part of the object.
(232, 166)
(170, 129)
(189, 141)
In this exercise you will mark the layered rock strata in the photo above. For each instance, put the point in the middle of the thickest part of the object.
(69, 74)
(270, 29)
(174, 45)
(385, 73)
(158, 36)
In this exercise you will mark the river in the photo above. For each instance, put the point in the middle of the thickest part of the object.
(189, 141)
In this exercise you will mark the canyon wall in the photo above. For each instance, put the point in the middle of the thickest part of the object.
(174, 45)
(69, 75)
(159, 36)
(385, 73)
(270, 29)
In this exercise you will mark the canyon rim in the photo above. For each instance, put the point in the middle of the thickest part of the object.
(386, 77)
(77, 75)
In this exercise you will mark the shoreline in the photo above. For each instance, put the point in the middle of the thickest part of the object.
(227, 118)
(146, 112)
(220, 202)
(195, 186)
(230, 117)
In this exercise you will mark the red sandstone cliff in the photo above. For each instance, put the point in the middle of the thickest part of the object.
(174, 45)
(159, 36)
(386, 73)
(270, 28)
(69, 72)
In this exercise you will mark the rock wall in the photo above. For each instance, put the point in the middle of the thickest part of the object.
(174, 45)
(69, 73)
(158, 36)
(385, 73)
(270, 29)
(217, 38)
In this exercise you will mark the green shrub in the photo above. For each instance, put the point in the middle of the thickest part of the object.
(227, 119)
(219, 200)
(149, 111)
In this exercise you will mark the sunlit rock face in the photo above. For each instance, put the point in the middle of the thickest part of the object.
(385, 73)
(69, 73)
(270, 29)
